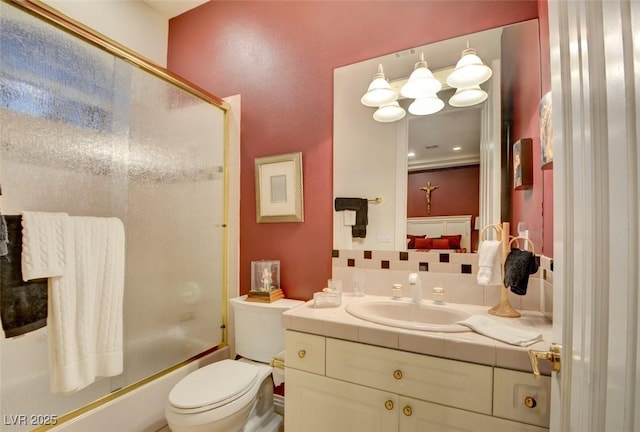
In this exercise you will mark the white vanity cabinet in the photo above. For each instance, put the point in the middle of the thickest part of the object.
(341, 386)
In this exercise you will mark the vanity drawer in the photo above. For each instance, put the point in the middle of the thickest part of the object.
(449, 382)
(305, 352)
(519, 396)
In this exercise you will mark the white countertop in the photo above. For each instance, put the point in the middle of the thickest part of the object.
(465, 346)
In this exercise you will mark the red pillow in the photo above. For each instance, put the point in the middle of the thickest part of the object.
(423, 243)
(454, 240)
(441, 243)
(412, 240)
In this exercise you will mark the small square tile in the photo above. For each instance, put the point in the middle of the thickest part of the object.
(404, 256)
(465, 268)
(335, 253)
(444, 257)
(384, 264)
(351, 262)
(423, 266)
(367, 254)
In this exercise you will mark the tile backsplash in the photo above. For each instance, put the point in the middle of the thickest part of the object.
(455, 272)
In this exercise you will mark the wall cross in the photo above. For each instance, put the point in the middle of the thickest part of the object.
(428, 189)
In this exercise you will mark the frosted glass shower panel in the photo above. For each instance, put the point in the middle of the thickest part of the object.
(176, 196)
(87, 133)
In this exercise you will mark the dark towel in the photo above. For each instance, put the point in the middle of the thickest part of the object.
(517, 268)
(23, 305)
(361, 207)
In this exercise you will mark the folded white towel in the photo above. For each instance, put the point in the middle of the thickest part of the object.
(349, 217)
(493, 329)
(490, 262)
(85, 306)
(45, 241)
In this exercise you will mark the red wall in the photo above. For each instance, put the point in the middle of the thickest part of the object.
(458, 192)
(280, 57)
(523, 89)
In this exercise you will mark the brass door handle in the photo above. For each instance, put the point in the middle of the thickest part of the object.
(553, 355)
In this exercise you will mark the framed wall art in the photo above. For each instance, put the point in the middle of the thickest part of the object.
(279, 195)
(546, 132)
(522, 164)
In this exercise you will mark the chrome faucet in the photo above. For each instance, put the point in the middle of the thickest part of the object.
(416, 287)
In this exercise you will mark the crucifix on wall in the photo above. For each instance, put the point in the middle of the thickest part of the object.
(428, 189)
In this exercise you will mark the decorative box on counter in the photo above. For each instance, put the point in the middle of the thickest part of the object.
(265, 281)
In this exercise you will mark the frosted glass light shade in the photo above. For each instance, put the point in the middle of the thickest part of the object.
(426, 105)
(379, 92)
(421, 82)
(469, 71)
(389, 113)
(466, 97)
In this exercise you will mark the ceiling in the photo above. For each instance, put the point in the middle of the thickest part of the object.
(172, 8)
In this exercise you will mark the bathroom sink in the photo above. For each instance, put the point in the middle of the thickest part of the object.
(409, 315)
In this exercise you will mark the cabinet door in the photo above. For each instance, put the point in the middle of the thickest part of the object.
(318, 404)
(419, 416)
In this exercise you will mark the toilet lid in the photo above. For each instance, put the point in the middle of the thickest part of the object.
(215, 384)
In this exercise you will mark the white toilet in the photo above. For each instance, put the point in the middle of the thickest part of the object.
(235, 395)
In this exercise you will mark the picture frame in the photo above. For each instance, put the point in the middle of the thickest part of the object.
(522, 164)
(546, 132)
(279, 189)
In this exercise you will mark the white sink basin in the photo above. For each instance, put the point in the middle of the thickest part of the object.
(410, 315)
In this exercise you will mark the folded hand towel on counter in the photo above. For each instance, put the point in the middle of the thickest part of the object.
(23, 305)
(517, 268)
(495, 330)
(490, 262)
(361, 207)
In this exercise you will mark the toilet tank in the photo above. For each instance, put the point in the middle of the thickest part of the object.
(258, 333)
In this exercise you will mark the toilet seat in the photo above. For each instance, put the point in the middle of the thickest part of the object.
(213, 386)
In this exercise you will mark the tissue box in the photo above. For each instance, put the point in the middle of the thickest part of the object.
(325, 299)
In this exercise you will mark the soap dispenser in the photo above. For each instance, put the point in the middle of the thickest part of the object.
(416, 287)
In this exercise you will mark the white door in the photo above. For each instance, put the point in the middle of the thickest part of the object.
(595, 70)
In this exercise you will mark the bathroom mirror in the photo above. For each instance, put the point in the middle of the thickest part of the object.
(90, 133)
(371, 158)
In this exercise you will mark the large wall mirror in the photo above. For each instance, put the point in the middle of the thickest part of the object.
(86, 132)
(385, 160)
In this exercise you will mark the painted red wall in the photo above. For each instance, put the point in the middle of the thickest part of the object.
(280, 56)
(458, 192)
(524, 89)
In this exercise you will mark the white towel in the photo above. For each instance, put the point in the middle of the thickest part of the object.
(278, 374)
(490, 262)
(45, 241)
(85, 306)
(349, 217)
(493, 329)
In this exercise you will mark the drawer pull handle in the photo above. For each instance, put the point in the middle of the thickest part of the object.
(530, 402)
(397, 374)
(388, 405)
(407, 411)
(302, 353)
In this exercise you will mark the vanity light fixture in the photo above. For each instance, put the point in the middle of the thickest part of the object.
(469, 71)
(421, 82)
(379, 92)
(466, 97)
(426, 105)
(389, 112)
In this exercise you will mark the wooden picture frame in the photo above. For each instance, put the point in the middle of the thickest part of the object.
(546, 132)
(522, 164)
(279, 194)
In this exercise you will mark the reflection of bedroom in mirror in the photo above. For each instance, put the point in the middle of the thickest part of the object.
(445, 165)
